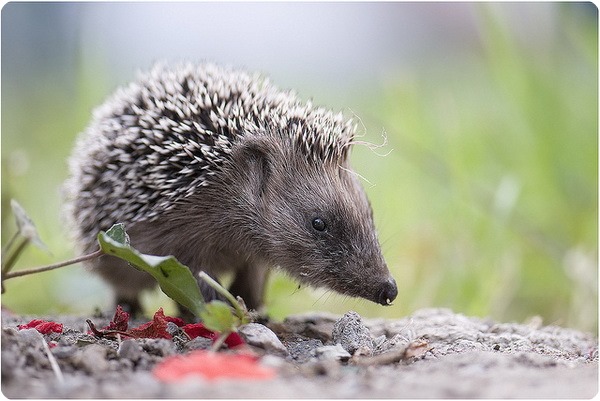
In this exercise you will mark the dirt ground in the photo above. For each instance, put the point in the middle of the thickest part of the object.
(434, 353)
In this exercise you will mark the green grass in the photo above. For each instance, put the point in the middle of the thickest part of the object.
(487, 203)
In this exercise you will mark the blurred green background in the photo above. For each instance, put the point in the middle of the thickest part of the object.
(485, 196)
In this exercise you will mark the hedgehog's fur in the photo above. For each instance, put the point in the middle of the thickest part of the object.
(164, 136)
(168, 136)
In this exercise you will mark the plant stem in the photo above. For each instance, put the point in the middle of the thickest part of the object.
(221, 290)
(220, 341)
(10, 243)
(52, 266)
(12, 256)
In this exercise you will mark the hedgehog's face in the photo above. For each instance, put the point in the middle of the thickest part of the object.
(317, 225)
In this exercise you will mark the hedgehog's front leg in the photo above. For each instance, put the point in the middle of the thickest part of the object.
(126, 282)
(249, 284)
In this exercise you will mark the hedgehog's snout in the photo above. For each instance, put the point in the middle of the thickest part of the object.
(387, 292)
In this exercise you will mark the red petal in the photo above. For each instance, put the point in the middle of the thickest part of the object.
(42, 326)
(212, 366)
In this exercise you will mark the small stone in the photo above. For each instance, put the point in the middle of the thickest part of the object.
(130, 349)
(93, 359)
(332, 352)
(262, 337)
(352, 334)
(31, 337)
(378, 342)
(198, 343)
(301, 350)
(388, 344)
(158, 346)
(64, 352)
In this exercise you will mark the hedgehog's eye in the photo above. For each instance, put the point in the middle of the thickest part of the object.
(318, 224)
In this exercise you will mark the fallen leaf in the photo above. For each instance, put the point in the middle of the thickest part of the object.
(120, 320)
(234, 339)
(417, 348)
(157, 328)
(43, 326)
(177, 320)
(212, 366)
(199, 330)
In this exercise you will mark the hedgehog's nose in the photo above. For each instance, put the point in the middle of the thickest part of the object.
(388, 292)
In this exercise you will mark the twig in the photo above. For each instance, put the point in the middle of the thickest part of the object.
(52, 266)
(414, 349)
(53, 363)
(392, 356)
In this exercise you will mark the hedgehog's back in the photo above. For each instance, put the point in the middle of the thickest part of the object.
(164, 136)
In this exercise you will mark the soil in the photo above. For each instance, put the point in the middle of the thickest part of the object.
(434, 353)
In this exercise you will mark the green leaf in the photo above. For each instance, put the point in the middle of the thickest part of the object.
(26, 226)
(240, 309)
(174, 279)
(117, 233)
(217, 316)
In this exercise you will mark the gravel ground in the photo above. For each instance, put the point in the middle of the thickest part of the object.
(434, 353)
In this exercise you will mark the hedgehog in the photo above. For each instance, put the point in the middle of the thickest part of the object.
(232, 176)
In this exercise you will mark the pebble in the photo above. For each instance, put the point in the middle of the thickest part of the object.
(130, 349)
(93, 359)
(64, 351)
(198, 343)
(158, 346)
(353, 335)
(261, 336)
(31, 337)
(332, 352)
(302, 351)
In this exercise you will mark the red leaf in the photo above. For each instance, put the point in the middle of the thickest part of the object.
(198, 330)
(157, 328)
(119, 321)
(42, 326)
(233, 340)
(212, 366)
(177, 320)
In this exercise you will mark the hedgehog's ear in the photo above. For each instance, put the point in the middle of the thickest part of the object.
(256, 157)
